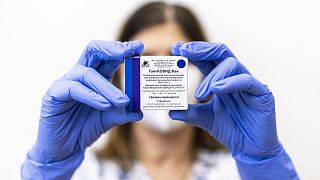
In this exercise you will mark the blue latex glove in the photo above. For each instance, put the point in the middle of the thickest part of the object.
(77, 109)
(240, 114)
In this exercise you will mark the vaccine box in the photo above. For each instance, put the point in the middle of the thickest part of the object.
(156, 82)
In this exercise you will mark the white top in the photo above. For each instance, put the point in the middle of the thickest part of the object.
(209, 165)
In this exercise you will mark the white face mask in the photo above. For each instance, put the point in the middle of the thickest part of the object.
(159, 120)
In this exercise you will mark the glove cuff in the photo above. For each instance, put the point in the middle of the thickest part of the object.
(277, 167)
(56, 170)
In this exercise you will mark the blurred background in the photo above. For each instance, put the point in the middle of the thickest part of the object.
(277, 40)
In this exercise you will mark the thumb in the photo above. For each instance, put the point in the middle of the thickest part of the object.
(117, 116)
(103, 121)
(199, 115)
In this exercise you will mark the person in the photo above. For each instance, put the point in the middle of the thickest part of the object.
(228, 106)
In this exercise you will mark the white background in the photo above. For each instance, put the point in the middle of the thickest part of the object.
(277, 40)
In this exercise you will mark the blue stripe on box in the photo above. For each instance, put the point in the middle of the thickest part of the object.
(136, 82)
(128, 79)
(132, 82)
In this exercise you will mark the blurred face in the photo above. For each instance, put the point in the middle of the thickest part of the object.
(157, 42)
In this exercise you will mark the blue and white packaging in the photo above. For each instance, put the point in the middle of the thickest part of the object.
(156, 82)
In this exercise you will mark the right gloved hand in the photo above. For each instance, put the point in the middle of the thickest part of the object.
(240, 113)
(78, 108)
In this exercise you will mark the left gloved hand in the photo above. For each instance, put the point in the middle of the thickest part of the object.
(78, 108)
(241, 113)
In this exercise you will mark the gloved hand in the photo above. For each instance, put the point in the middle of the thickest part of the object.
(240, 112)
(78, 108)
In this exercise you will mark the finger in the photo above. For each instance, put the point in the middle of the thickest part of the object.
(229, 67)
(66, 90)
(95, 81)
(175, 48)
(204, 55)
(204, 67)
(99, 51)
(193, 115)
(203, 51)
(241, 82)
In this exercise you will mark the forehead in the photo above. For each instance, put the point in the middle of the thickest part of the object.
(160, 37)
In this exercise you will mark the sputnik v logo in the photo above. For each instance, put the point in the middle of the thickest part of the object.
(145, 64)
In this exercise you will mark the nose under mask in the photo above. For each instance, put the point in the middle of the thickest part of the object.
(159, 120)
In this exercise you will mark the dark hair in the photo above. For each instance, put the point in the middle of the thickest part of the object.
(159, 12)
(119, 147)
